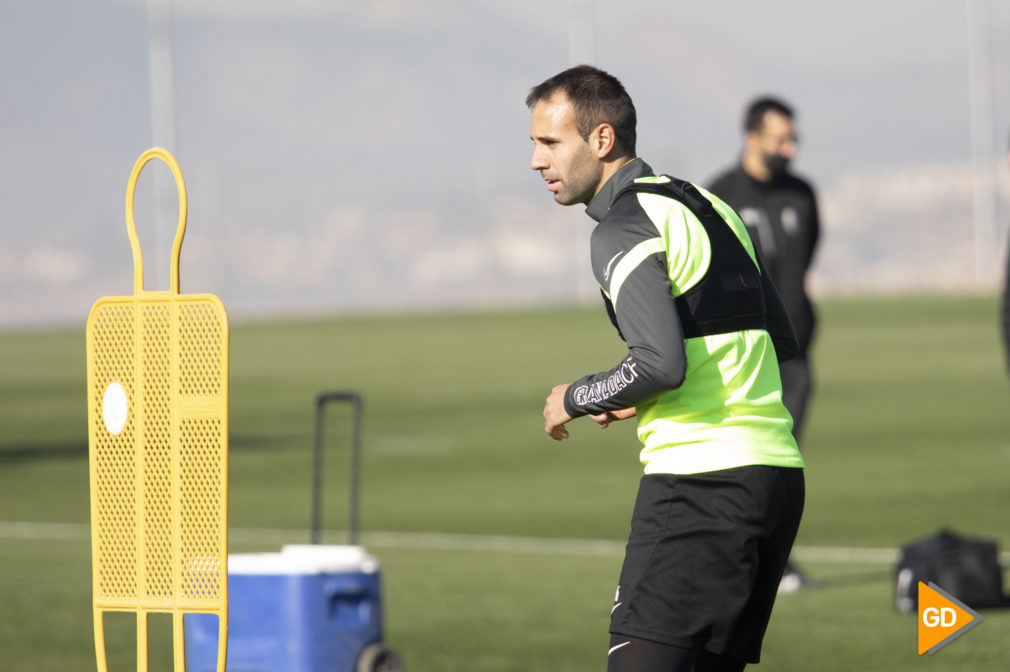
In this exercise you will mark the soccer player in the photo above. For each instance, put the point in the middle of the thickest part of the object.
(722, 495)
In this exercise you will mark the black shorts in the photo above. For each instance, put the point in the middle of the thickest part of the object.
(705, 556)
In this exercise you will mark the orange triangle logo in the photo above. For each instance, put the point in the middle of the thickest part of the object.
(942, 618)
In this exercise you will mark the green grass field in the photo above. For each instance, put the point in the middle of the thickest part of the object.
(909, 432)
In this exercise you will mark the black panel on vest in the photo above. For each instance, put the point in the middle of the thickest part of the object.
(729, 296)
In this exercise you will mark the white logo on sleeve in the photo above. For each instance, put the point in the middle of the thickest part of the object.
(623, 375)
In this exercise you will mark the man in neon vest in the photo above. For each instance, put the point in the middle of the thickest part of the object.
(722, 495)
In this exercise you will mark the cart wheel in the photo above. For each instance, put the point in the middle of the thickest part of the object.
(378, 658)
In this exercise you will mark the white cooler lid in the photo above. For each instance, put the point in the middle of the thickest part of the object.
(304, 559)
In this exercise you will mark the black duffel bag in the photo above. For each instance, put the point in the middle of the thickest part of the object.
(968, 569)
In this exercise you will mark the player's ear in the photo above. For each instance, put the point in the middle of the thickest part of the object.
(603, 140)
(751, 137)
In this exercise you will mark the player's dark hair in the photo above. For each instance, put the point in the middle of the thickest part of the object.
(754, 117)
(598, 98)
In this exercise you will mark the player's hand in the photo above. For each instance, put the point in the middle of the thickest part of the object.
(555, 415)
(604, 419)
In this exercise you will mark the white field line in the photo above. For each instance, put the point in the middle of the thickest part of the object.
(440, 541)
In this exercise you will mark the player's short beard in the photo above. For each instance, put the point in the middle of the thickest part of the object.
(776, 164)
(579, 186)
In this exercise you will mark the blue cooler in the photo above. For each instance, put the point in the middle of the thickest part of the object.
(309, 608)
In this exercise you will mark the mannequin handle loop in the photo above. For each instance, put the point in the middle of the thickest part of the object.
(131, 227)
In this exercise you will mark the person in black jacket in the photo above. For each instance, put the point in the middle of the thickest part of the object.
(780, 211)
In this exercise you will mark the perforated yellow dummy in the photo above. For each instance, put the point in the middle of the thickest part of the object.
(158, 437)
